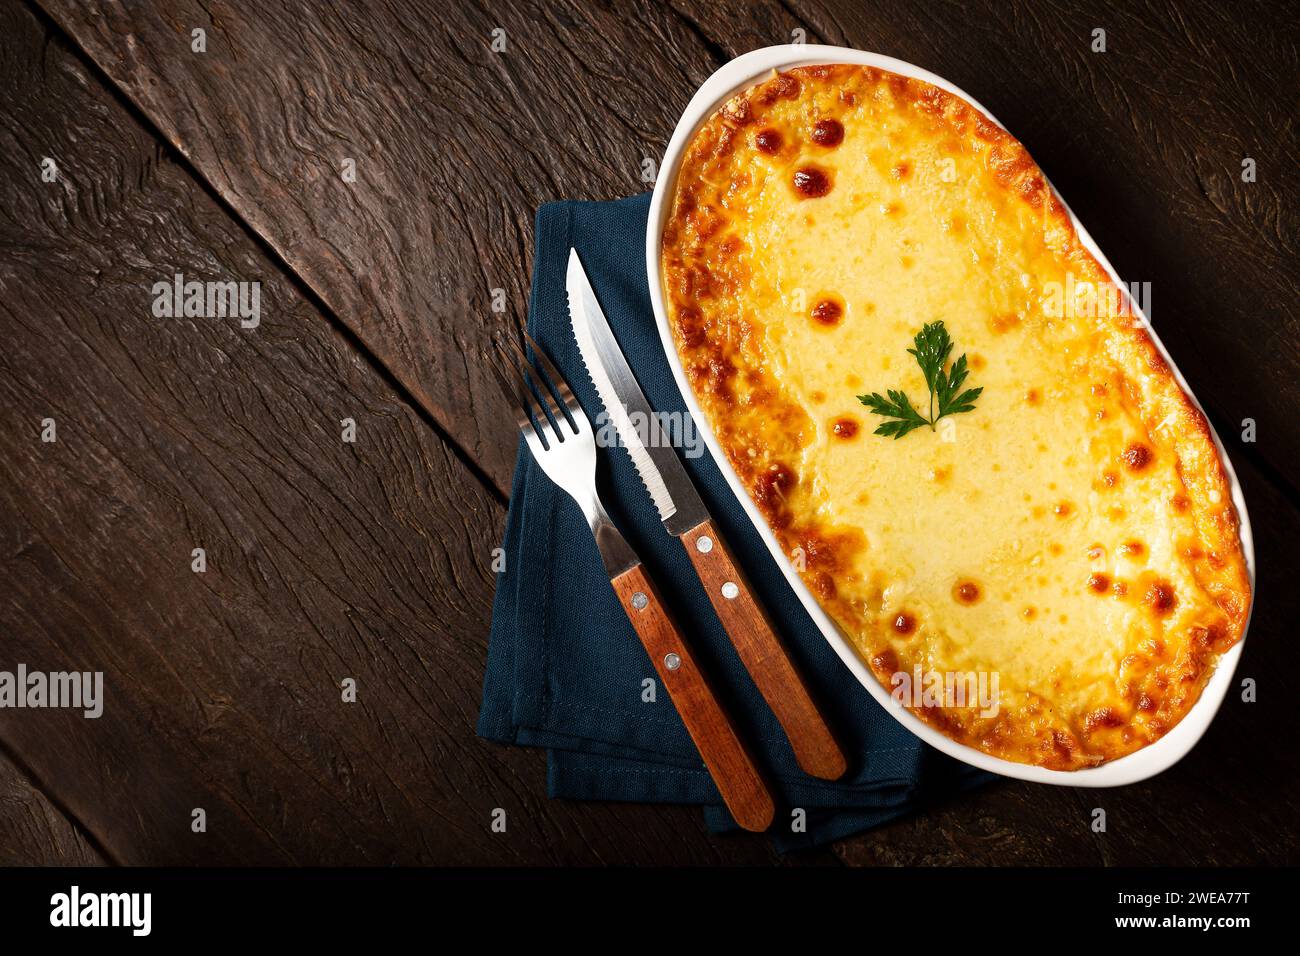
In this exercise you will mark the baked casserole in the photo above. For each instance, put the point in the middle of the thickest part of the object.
(953, 421)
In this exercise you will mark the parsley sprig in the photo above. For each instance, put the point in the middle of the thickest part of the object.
(932, 346)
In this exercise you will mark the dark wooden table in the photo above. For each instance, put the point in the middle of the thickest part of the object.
(371, 560)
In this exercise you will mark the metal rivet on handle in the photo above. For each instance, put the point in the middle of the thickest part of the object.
(639, 600)
(672, 662)
(704, 544)
(729, 590)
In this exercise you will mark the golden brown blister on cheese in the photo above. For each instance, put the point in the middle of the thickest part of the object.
(1074, 534)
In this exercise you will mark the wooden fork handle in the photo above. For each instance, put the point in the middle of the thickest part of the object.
(729, 762)
(763, 655)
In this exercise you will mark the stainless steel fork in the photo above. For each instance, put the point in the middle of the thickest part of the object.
(564, 445)
(562, 441)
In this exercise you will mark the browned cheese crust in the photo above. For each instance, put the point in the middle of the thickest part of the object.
(800, 136)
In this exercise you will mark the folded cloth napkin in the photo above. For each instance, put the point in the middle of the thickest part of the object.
(566, 671)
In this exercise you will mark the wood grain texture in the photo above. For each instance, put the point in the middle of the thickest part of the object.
(33, 831)
(762, 653)
(325, 560)
(730, 763)
(330, 560)
(455, 146)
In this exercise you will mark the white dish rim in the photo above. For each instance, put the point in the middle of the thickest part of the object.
(1142, 764)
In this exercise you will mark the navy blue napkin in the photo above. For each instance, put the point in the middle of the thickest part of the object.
(566, 671)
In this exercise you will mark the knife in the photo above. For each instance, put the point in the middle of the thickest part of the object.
(685, 517)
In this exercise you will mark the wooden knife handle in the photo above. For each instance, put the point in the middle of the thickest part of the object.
(763, 655)
(733, 769)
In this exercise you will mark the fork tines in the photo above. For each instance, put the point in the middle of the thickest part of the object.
(534, 380)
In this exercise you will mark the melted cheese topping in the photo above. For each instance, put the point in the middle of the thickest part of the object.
(1073, 535)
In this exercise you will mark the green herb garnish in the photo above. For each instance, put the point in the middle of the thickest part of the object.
(932, 347)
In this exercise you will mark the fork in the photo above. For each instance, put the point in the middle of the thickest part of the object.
(561, 440)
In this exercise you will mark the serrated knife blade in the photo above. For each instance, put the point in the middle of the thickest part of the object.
(638, 427)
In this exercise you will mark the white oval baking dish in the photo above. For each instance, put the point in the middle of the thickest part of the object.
(1139, 765)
